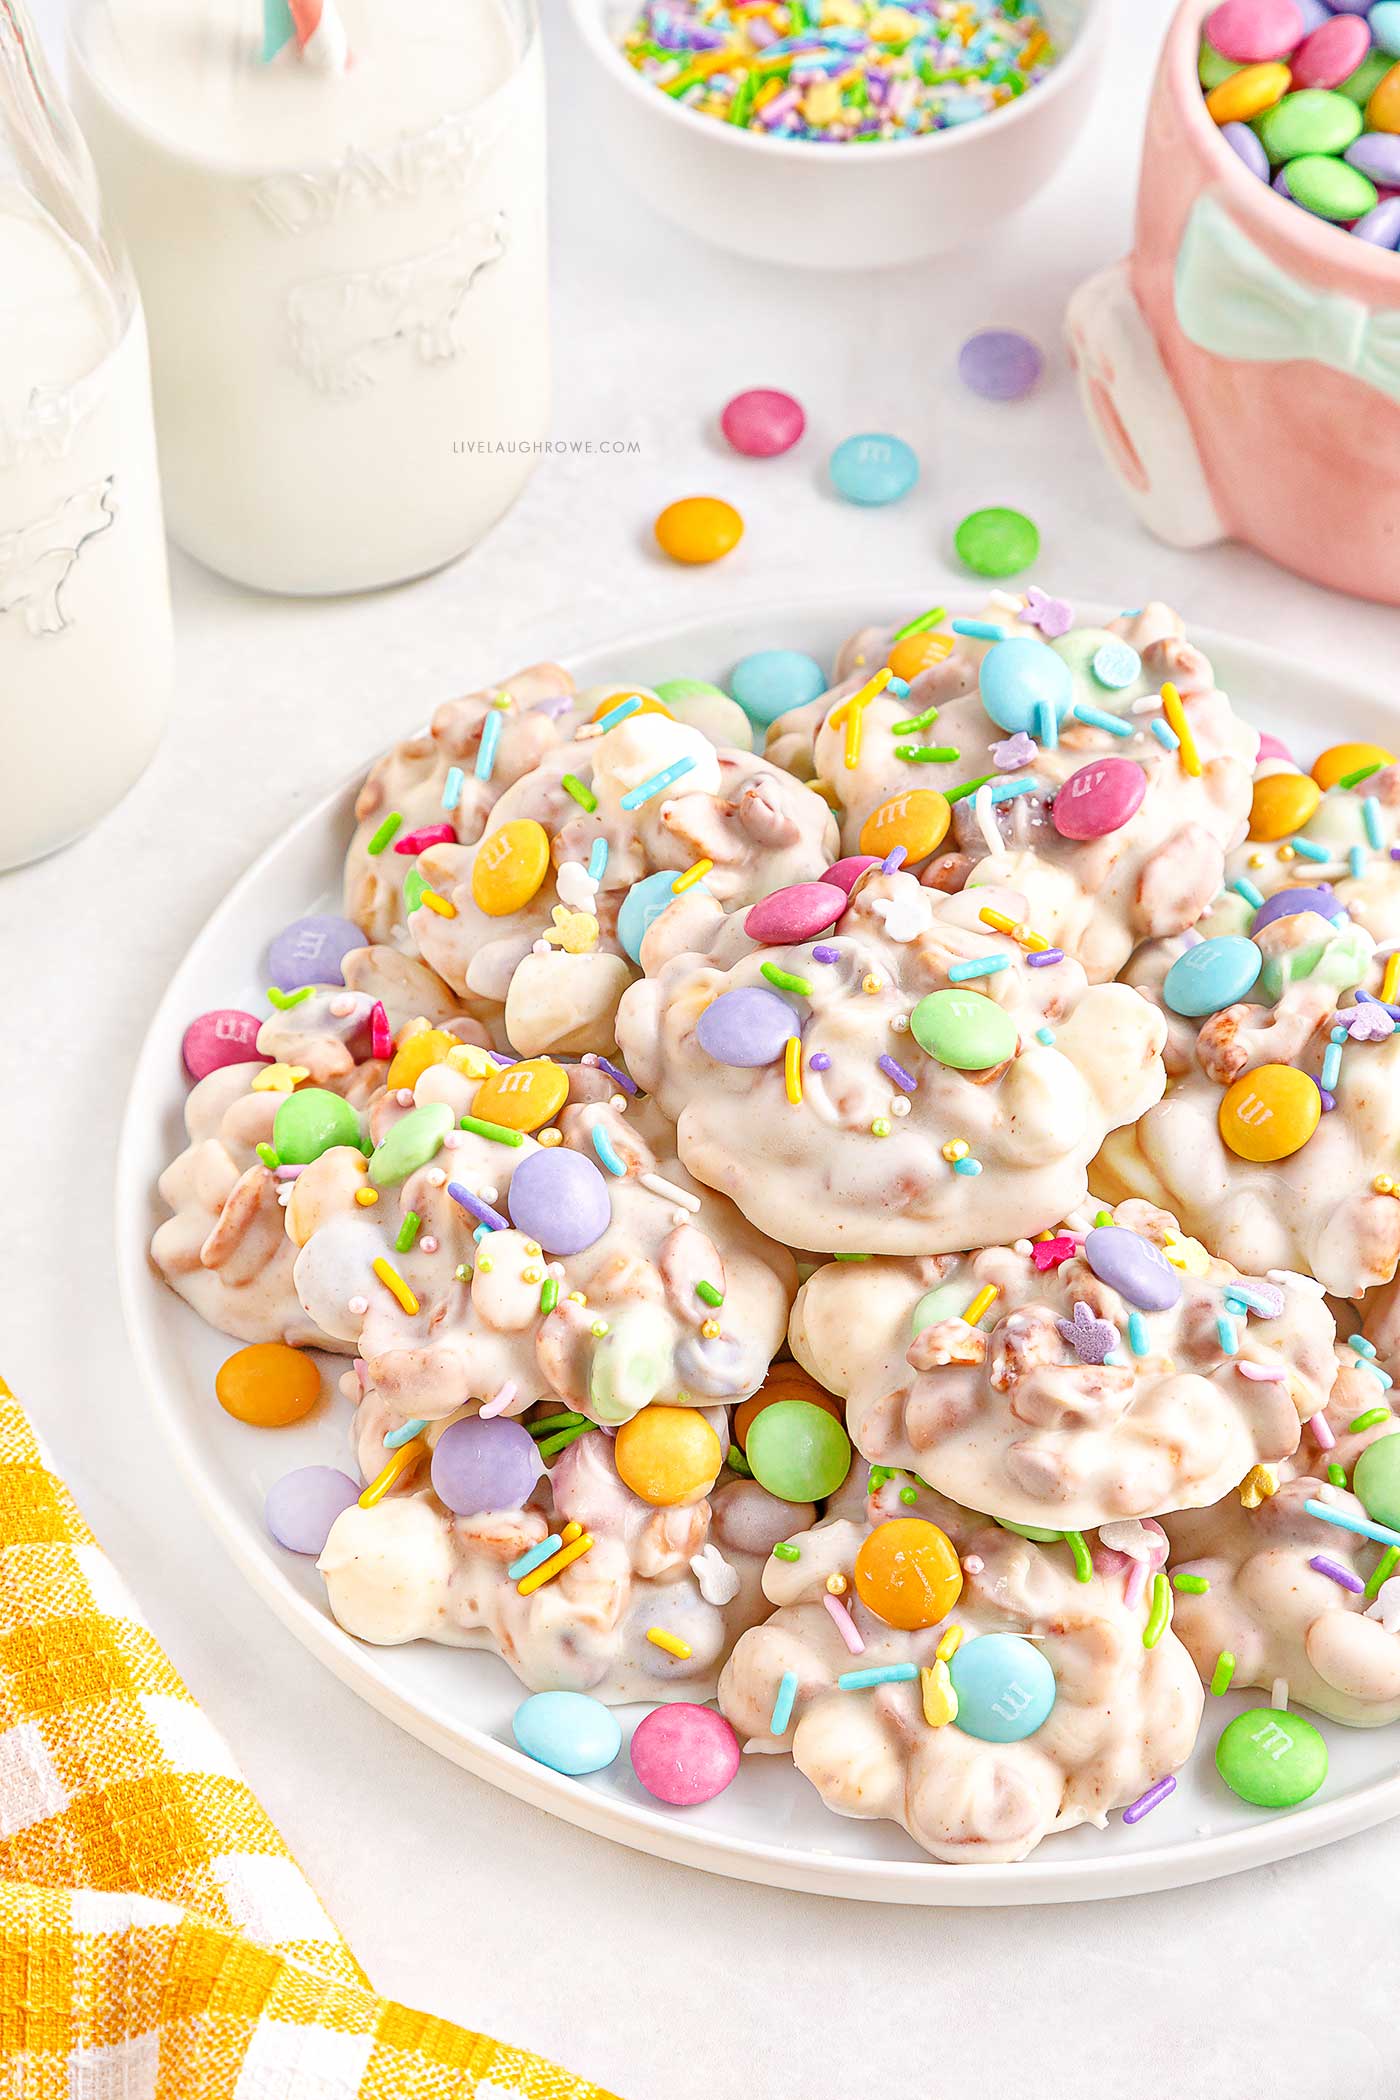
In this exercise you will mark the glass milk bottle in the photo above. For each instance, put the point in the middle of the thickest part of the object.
(336, 210)
(86, 660)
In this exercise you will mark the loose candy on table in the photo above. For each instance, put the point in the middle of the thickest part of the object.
(225, 1036)
(1269, 1113)
(874, 469)
(1000, 364)
(479, 1465)
(798, 913)
(997, 542)
(798, 1451)
(1134, 1267)
(763, 422)
(684, 1754)
(917, 820)
(510, 865)
(1339, 761)
(300, 1508)
(1376, 1481)
(1282, 804)
(907, 1572)
(771, 681)
(699, 529)
(413, 1142)
(964, 1030)
(522, 1096)
(1099, 799)
(268, 1385)
(1005, 1687)
(643, 906)
(560, 1199)
(312, 951)
(668, 1455)
(568, 1731)
(747, 1027)
(1212, 975)
(311, 1122)
(1271, 1758)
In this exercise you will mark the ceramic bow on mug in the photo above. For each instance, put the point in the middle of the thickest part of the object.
(1241, 367)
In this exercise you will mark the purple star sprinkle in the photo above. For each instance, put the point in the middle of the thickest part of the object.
(1014, 751)
(1051, 615)
(1091, 1339)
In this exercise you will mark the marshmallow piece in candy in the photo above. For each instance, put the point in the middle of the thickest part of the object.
(835, 1090)
(1077, 1393)
(1101, 822)
(1049, 1743)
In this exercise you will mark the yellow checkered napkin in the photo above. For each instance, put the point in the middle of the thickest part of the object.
(157, 1941)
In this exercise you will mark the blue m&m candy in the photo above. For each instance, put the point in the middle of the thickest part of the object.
(1005, 1687)
(771, 681)
(567, 1731)
(645, 902)
(873, 469)
(1026, 686)
(1212, 975)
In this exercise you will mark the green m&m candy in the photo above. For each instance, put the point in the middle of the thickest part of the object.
(1359, 86)
(997, 542)
(947, 1301)
(797, 1451)
(1333, 189)
(1271, 1759)
(1211, 68)
(310, 1123)
(963, 1029)
(414, 1140)
(1376, 1481)
(1312, 121)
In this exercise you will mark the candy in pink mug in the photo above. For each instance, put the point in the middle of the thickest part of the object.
(1241, 367)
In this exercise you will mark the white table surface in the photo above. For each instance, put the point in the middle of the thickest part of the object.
(669, 1983)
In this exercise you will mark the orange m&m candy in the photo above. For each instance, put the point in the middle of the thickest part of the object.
(509, 867)
(919, 652)
(524, 1096)
(908, 1574)
(415, 1053)
(667, 1455)
(1339, 761)
(268, 1384)
(1269, 1113)
(918, 821)
(1283, 803)
(646, 705)
(1249, 93)
(699, 529)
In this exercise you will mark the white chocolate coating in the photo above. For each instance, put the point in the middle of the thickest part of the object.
(1372, 897)
(330, 1033)
(812, 1174)
(1007, 1418)
(1269, 1608)
(408, 1569)
(1096, 898)
(1124, 1715)
(760, 828)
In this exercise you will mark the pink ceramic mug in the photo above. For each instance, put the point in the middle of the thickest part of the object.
(1242, 366)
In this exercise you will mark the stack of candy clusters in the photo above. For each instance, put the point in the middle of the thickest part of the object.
(845, 1247)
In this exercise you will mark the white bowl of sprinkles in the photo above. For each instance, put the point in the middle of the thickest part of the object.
(828, 205)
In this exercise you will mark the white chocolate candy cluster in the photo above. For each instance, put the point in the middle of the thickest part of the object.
(867, 1158)
(329, 1030)
(1345, 845)
(551, 963)
(1079, 1396)
(1291, 1598)
(409, 1569)
(1125, 1714)
(1097, 897)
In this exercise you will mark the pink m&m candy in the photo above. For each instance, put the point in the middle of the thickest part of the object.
(1248, 31)
(1332, 53)
(762, 423)
(226, 1036)
(1274, 747)
(1099, 798)
(845, 874)
(798, 913)
(684, 1754)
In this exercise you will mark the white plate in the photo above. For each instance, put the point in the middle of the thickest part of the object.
(770, 1826)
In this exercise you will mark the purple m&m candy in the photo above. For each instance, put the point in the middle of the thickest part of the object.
(684, 1754)
(1377, 154)
(302, 1506)
(311, 951)
(560, 1199)
(1244, 142)
(1286, 904)
(999, 364)
(484, 1465)
(798, 913)
(1099, 798)
(847, 873)
(763, 422)
(746, 1027)
(1381, 226)
(1134, 1267)
(226, 1036)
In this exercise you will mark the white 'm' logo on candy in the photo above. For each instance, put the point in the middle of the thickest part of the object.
(1273, 1739)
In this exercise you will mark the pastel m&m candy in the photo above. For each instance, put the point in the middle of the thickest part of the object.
(1383, 109)
(312, 951)
(1018, 678)
(845, 874)
(963, 1029)
(510, 865)
(1133, 1266)
(798, 913)
(1282, 804)
(1331, 53)
(1271, 1759)
(1248, 93)
(908, 1573)
(1100, 798)
(1269, 1113)
(997, 542)
(699, 529)
(918, 821)
(910, 657)
(312, 1122)
(1376, 1480)
(300, 1508)
(762, 423)
(524, 1096)
(874, 469)
(667, 1455)
(785, 1381)
(568, 1731)
(747, 1027)
(1289, 903)
(771, 681)
(1250, 30)
(560, 1199)
(1311, 121)
(1005, 1687)
(227, 1036)
(798, 1451)
(413, 1142)
(1000, 364)
(416, 1053)
(479, 1465)
(644, 904)
(684, 1754)
(1338, 761)
(1212, 975)
(268, 1385)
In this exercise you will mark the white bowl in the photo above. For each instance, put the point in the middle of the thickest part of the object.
(841, 207)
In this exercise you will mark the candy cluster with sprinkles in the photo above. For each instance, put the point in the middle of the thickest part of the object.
(841, 71)
(832, 1194)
